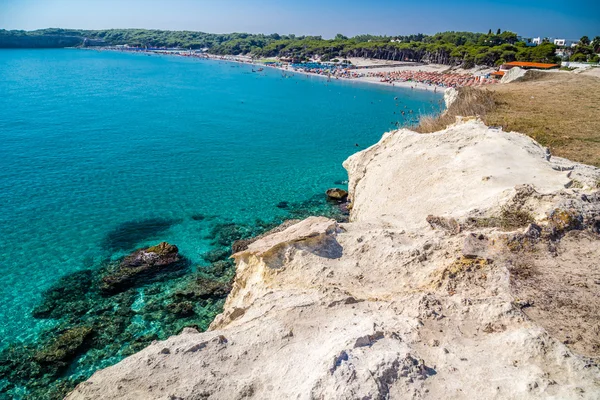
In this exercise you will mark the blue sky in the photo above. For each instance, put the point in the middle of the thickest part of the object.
(566, 19)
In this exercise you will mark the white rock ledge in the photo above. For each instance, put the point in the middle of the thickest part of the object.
(387, 307)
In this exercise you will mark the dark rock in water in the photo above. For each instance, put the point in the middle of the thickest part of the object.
(97, 312)
(64, 348)
(139, 344)
(181, 309)
(98, 318)
(198, 217)
(336, 193)
(39, 367)
(202, 288)
(69, 290)
(282, 204)
(142, 265)
(127, 235)
(221, 268)
(317, 205)
(215, 255)
(224, 234)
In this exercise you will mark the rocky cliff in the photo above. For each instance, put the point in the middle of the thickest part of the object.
(469, 270)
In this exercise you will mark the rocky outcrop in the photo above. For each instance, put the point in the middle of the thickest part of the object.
(142, 265)
(336, 194)
(467, 271)
(513, 74)
(450, 96)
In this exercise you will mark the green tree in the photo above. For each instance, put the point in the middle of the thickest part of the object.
(584, 41)
(596, 44)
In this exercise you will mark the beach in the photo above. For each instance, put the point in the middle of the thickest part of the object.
(411, 75)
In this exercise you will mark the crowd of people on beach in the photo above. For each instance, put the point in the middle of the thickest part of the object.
(331, 72)
(444, 80)
(436, 79)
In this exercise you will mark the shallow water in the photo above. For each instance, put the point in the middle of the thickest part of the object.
(103, 152)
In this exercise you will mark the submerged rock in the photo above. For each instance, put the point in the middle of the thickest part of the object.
(142, 265)
(317, 205)
(282, 204)
(202, 288)
(64, 348)
(215, 255)
(68, 291)
(102, 315)
(181, 309)
(198, 217)
(223, 234)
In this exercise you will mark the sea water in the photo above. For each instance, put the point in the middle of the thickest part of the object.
(93, 141)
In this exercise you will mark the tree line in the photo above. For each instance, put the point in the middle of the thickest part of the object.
(451, 48)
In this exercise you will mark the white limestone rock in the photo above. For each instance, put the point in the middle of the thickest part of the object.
(386, 306)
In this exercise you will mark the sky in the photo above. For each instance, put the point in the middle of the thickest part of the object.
(529, 18)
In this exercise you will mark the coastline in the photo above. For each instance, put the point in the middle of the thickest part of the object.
(408, 84)
(376, 66)
(203, 230)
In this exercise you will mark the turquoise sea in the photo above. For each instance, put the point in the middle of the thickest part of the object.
(102, 153)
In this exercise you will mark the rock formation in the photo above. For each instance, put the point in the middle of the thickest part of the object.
(469, 270)
(336, 193)
(142, 265)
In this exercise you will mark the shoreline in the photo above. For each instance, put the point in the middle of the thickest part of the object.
(194, 225)
(372, 80)
(362, 79)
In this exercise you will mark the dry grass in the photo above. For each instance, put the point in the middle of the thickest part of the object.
(470, 102)
(559, 110)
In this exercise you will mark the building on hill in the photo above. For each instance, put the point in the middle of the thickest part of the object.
(564, 42)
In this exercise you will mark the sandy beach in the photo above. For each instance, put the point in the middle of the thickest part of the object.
(404, 74)
(412, 75)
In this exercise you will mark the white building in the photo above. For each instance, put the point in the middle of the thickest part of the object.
(560, 42)
(537, 40)
(564, 42)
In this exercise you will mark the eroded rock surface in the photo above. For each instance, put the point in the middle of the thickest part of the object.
(469, 270)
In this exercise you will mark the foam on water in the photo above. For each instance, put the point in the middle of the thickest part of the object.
(101, 153)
